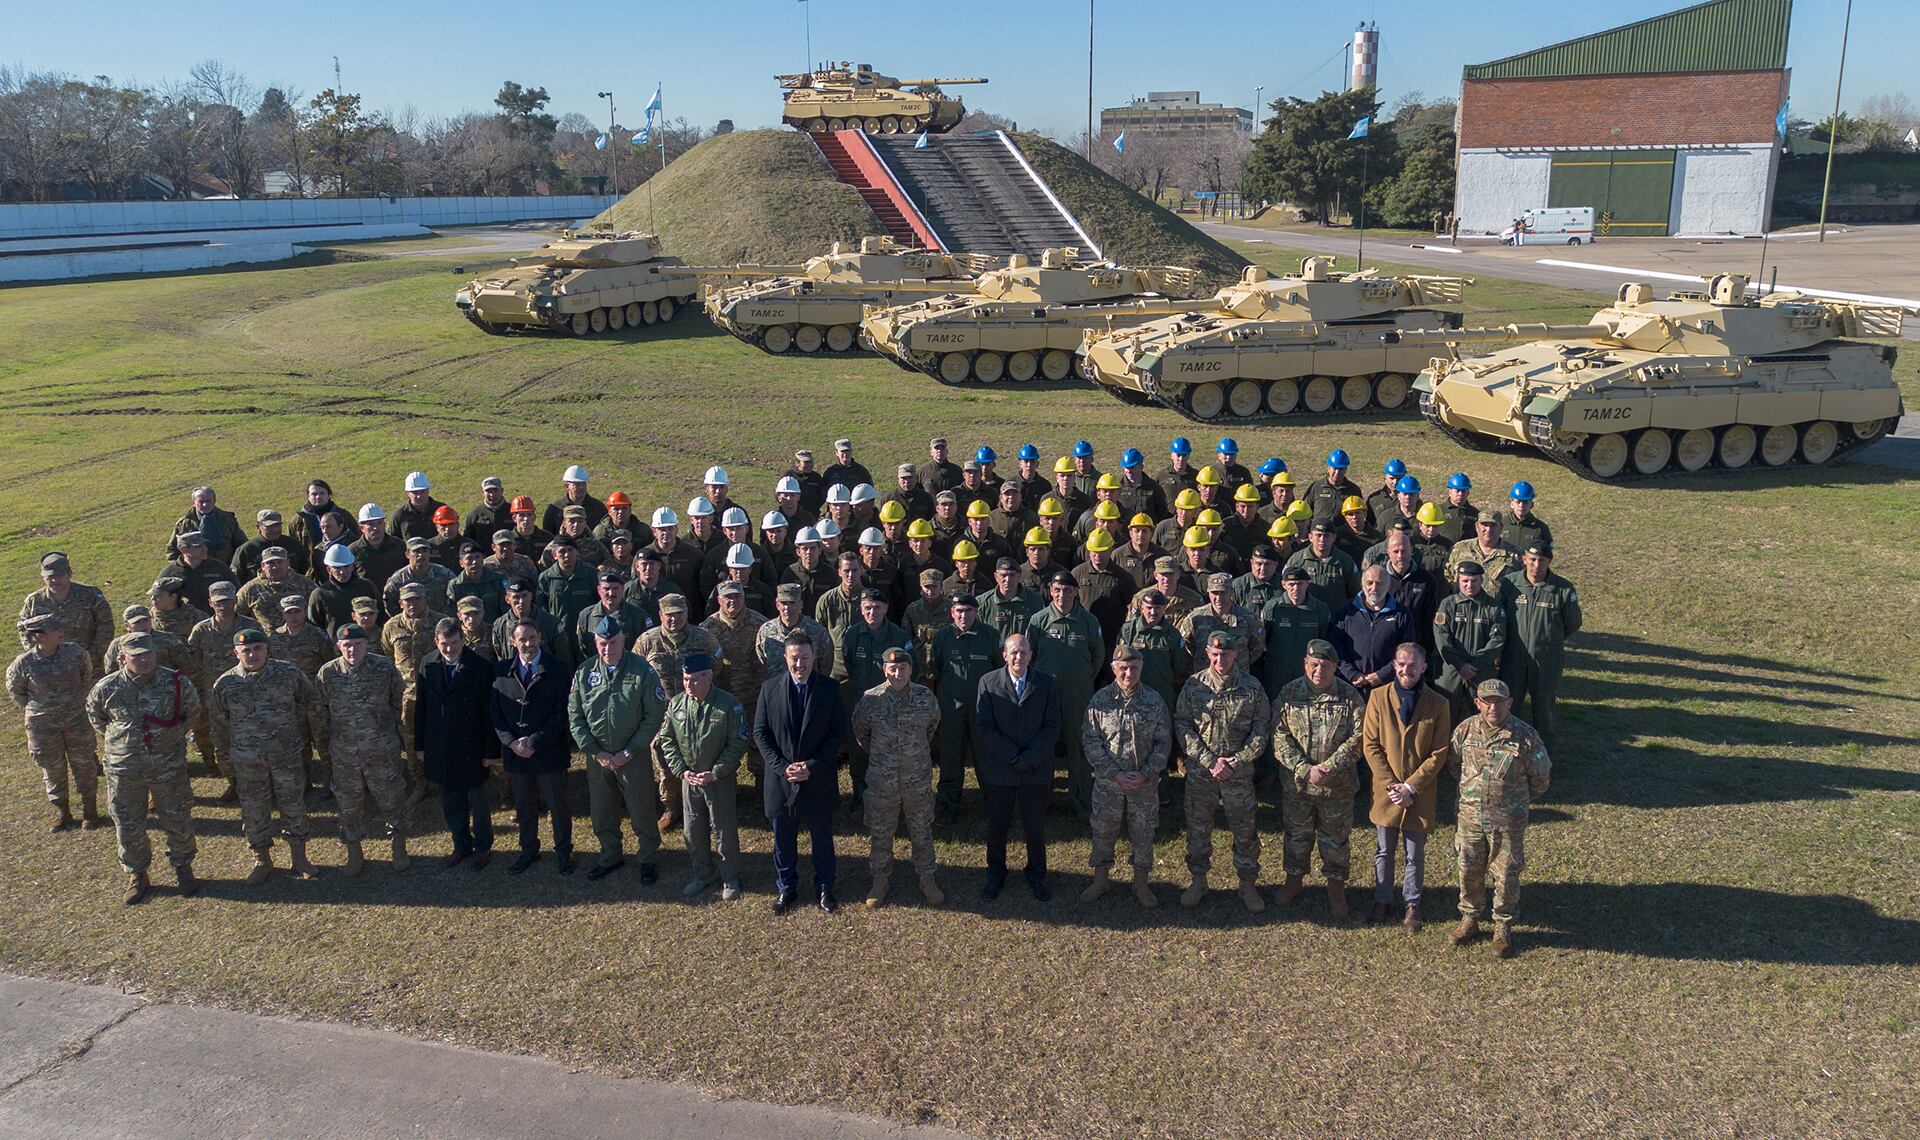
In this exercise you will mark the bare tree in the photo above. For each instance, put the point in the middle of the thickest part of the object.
(229, 98)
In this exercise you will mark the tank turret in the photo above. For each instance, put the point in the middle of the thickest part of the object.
(848, 96)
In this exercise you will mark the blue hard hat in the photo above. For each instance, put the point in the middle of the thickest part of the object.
(1395, 468)
(1028, 451)
(1273, 467)
(1522, 491)
(1180, 446)
(1406, 485)
(1458, 481)
(1227, 446)
(984, 455)
(1082, 449)
(1338, 458)
(1131, 457)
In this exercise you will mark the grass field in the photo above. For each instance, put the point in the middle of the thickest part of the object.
(1720, 932)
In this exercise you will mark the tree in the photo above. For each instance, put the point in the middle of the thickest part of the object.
(234, 148)
(1424, 184)
(723, 127)
(103, 133)
(1885, 121)
(977, 120)
(336, 131)
(1304, 155)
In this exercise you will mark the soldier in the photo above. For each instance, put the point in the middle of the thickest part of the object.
(648, 585)
(859, 664)
(171, 613)
(1221, 615)
(82, 609)
(663, 646)
(1127, 738)
(246, 560)
(1179, 473)
(613, 603)
(736, 626)
(1139, 493)
(171, 651)
(896, 722)
(1356, 532)
(812, 571)
(521, 607)
(1180, 599)
(211, 644)
(1068, 646)
(1381, 500)
(408, 639)
(257, 710)
(925, 617)
(196, 570)
(1333, 575)
(845, 470)
(1221, 718)
(564, 589)
(217, 526)
(703, 739)
(480, 581)
(1169, 533)
(614, 711)
(987, 540)
(475, 629)
(308, 530)
(1495, 555)
(1523, 527)
(1543, 611)
(1009, 521)
(790, 617)
(491, 516)
(1007, 607)
(1503, 768)
(812, 483)
(420, 569)
(443, 549)
(301, 642)
(840, 606)
(939, 473)
(963, 651)
(1316, 741)
(142, 710)
(1469, 633)
(1164, 659)
(1325, 495)
(1291, 622)
(620, 520)
(1261, 583)
(573, 482)
(798, 499)
(360, 740)
(1226, 460)
(908, 492)
(1105, 589)
(260, 598)
(1139, 554)
(50, 682)
(507, 560)
(966, 577)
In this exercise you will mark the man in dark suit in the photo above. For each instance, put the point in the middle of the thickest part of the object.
(529, 714)
(455, 744)
(798, 726)
(1017, 716)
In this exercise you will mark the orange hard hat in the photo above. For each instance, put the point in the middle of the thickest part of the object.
(521, 505)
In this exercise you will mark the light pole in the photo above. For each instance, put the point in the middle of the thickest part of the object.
(1090, 80)
(613, 149)
(1833, 124)
(809, 17)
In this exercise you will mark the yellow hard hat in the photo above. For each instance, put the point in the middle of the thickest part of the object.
(1351, 504)
(1107, 510)
(920, 528)
(1299, 511)
(1430, 514)
(1209, 517)
(892, 512)
(1282, 528)
(1108, 481)
(1208, 477)
(1284, 479)
(964, 550)
(1197, 538)
(1051, 507)
(1063, 466)
(1245, 493)
(1100, 540)
(1038, 537)
(1140, 520)
(1187, 500)
(978, 509)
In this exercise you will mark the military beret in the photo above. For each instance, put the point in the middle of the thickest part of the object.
(896, 655)
(503, 536)
(649, 554)
(54, 563)
(673, 604)
(267, 515)
(1323, 649)
(40, 623)
(1471, 567)
(1165, 565)
(696, 663)
(963, 600)
(251, 635)
(226, 590)
(607, 627)
(1125, 652)
(931, 577)
(273, 554)
(168, 584)
(350, 632)
(790, 592)
(871, 594)
(137, 643)
(1153, 598)
(139, 611)
(1219, 583)
(1322, 526)
(1493, 689)
(1062, 578)
(519, 586)
(1005, 564)
(418, 543)
(471, 604)
(412, 590)
(562, 542)
(291, 602)
(1489, 516)
(1220, 640)
(730, 587)
(611, 578)
(1541, 549)
(189, 538)
(1295, 574)
(1266, 550)
(470, 546)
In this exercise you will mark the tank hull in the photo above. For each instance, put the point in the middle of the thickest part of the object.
(807, 317)
(876, 113)
(585, 302)
(985, 342)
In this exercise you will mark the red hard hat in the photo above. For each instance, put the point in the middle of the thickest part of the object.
(619, 499)
(446, 515)
(521, 505)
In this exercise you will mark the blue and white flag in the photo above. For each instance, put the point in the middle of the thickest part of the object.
(1780, 120)
(641, 136)
(921, 142)
(653, 104)
(1120, 142)
(1360, 128)
(600, 141)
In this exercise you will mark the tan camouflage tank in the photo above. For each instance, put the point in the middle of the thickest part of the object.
(850, 97)
(585, 283)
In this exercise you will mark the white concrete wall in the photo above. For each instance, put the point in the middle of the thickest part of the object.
(1495, 186)
(62, 266)
(65, 219)
(15, 246)
(1722, 191)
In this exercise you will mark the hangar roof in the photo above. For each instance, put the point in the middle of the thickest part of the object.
(1720, 35)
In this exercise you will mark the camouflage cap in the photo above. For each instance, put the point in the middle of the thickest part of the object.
(1493, 689)
(1488, 517)
(1165, 565)
(365, 606)
(250, 635)
(1219, 583)
(471, 604)
(1295, 574)
(350, 632)
(673, 604)
(222, 590)
(40, 623)
(267, 515)
(412, 590)
(804, 454)
(946, 497)
(573, 511)
(1323, 649)
(897, 656)
(1125, 652)
(56, 563)
(137, 643)
(137, 610)
(730, 588)
(500, 536)
(790, 592)
(492, 481)
(168, 584)
(273, 554)
(931, 577)
(188, 538)
(291, 603)
(418, 543)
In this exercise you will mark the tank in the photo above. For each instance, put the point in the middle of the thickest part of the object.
(1270, 348)
(846, 96)
(817, 306)
(1023, 320)
(1716, 380)
(585, 283)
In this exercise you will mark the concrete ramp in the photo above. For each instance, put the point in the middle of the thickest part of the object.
(976, 193)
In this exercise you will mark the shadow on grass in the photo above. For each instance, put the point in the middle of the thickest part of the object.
(1701, 921)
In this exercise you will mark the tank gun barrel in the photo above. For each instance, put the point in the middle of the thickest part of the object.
(1496, 334)
(940, 82)
(732, 270)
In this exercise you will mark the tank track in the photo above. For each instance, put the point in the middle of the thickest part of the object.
(757, 337)
(1571, 460)
(1152, 396)
(1466, 439)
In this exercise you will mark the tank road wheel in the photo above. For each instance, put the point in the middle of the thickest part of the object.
(666, 309)
(580, 324)
(836, 124)
(955, 367)
(649, 312)
(1356, 392)
(1206, 401)
(1283, 396)
(1737, 445)
(1819, 441)
(1607, 455)
(1245, 399)
(636, 313)
(616, 317)
(817, 126)
(872, 126)
(889, 126)
(1057, 364)
(1694, 450)
(776, 339)
(598, 319)
(1390, 390)
(1779, 444)
(914, 126)
(989, 367)
(807, 339)
(840, 338)
(1022, 367)
(1866, 431)
(1319, 394)
(1652, 450)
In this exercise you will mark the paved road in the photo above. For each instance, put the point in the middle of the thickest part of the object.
(90, 1061)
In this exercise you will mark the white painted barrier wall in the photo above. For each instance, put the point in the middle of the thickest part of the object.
(76, 219)
(96, 263)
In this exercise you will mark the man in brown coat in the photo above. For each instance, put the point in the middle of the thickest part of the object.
(1405, 736)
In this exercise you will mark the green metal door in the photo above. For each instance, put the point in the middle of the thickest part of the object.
(1631, 191)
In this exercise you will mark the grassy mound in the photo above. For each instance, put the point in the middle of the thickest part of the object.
(1130, 229)
(764, 196)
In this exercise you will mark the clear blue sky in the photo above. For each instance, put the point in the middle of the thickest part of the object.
(716, 59)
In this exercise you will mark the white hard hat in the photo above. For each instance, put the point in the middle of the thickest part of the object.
(872, 537)
(772, 519)
(700, 507)
(865, 493)
(734, 517)
(574, 474)
(664, 516)
(827, 530)
(338, 555)
(808, 534)
(716, 475)
(417, 481)
(787, 485)
(838, 494)
(371, 511)
(739, 556)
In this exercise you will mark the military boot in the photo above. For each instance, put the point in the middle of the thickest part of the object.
(1290, 890)
(137, 888)
(877, 893)
(297, 861)
(1337, 898)
(1502, 940)
(401, 860)
(356, 860)
(63, 821)
(1466, 932)
(90, 814)
(262, 867)
(1143, 887)
(1250, 895)
(930, 888)
(189, 883)
(1102, 879)
(1196, 891)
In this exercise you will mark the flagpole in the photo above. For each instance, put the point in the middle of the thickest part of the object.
(613, 150)
(1833, 124)
(1360, 261)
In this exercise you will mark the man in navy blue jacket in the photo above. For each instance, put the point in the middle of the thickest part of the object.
(798, 726)
(528, 708)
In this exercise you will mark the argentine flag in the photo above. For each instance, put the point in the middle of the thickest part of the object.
(1120, 142)
(600, 141)
(641, 136)
(1360, 128)
(1780, 120)
(921, 142)
(653, 104)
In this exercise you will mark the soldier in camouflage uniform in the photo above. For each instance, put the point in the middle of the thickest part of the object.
(770, 645)
(925, 616)
(307, 646)
(1503, 768)
(663, 646)
(1127, 739)
(702, 740)
(82, 609)
(260, 598)
(171, 613)
(170, 650)
(420, 570)
(896, 722)
(1316, 739)
(361, 741)
(1221, 718)
(212, 645)
(408, 639)
(142, 711)
(50, 682)
(1496, 555)
(738, 670)
(257, 709)
(1222, 615)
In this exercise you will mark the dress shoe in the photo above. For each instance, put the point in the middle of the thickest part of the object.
(1040, 891)
(1377, 915)
(481, 859)
(526, 859)
(600, 871)
(649, 874)
(566, 862)
(784, 902)
(828, 903)
(1412, 921)
(990, 889)
(454, 860)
